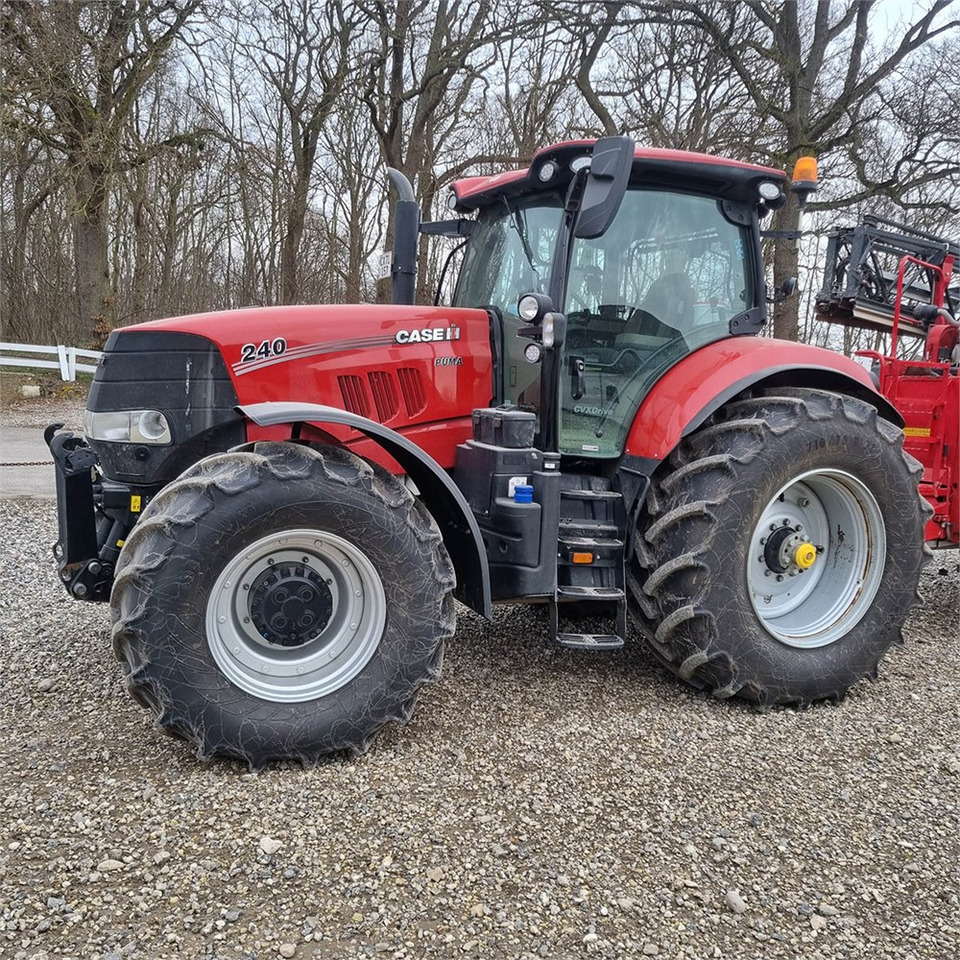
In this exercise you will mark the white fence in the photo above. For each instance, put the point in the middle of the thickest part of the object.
(66, 361)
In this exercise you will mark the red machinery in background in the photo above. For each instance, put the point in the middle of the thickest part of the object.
(890, 278)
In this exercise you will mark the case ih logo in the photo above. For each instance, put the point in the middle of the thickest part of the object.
(428, 335)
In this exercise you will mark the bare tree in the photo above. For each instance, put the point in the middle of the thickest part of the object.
(814, 78)
(531, 99)
(353, 183)
(74, 73)
(25, 188)
(425, 61)
(303, 54)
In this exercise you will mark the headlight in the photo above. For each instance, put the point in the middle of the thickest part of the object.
(769, 190)
(548, 331)
(528, 308)
(127, 426)
(547, 171)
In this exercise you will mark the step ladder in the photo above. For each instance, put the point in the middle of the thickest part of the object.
(590, 571)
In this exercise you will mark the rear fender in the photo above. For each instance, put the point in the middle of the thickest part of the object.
(687, 394)
(439, 493)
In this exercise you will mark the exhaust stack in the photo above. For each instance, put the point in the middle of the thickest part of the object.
(406, 230)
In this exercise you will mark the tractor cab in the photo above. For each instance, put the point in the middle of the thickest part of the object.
(647, 254)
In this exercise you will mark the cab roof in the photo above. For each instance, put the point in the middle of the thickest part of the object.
(729, 179)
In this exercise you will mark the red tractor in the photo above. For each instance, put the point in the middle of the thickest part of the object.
(281, 504)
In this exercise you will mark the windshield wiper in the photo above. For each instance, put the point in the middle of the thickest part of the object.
(520, 225)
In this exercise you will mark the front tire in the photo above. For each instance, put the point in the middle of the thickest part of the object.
(780, 552)
(281, 603)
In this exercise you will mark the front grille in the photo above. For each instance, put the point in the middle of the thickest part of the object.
(354, 395)
(384, 395)
(411, 388)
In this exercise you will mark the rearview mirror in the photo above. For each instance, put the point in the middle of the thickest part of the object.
(606, 184)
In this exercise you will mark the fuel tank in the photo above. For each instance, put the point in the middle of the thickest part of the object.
(419, 370)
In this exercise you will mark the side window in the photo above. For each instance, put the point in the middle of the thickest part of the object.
(509, 254)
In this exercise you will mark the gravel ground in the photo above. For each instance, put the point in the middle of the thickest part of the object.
(541, 803)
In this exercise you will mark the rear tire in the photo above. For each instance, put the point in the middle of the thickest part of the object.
(281, 603)
(779, 554)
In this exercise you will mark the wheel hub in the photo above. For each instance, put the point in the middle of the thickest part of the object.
(290, 604)
(787, 549)
(295, 615)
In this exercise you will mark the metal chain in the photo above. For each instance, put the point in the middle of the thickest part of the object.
(29, 463)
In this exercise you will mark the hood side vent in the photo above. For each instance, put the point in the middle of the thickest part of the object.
(411, 388)
(354, 395)
(384, 394)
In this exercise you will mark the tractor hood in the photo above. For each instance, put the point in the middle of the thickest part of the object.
(336, 339)
(415, 369)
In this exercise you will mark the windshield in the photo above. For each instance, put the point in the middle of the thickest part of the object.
(510, 253)
(665, 279)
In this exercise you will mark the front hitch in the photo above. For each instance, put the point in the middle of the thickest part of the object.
(83, 537)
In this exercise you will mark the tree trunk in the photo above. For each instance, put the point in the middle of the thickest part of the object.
(15, 288)
(354, 253)
(142, 280)
(290, 245)
(786, 261)
(95, 300)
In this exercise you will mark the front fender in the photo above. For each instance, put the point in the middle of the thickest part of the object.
(440, 494)
(687, 394)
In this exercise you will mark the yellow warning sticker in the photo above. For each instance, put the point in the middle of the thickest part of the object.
(916, 431)
(135, 502)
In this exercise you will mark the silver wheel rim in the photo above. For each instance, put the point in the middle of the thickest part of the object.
(835, 514)
(322, 663)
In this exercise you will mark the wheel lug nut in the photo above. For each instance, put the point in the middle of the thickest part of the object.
(779, 578)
